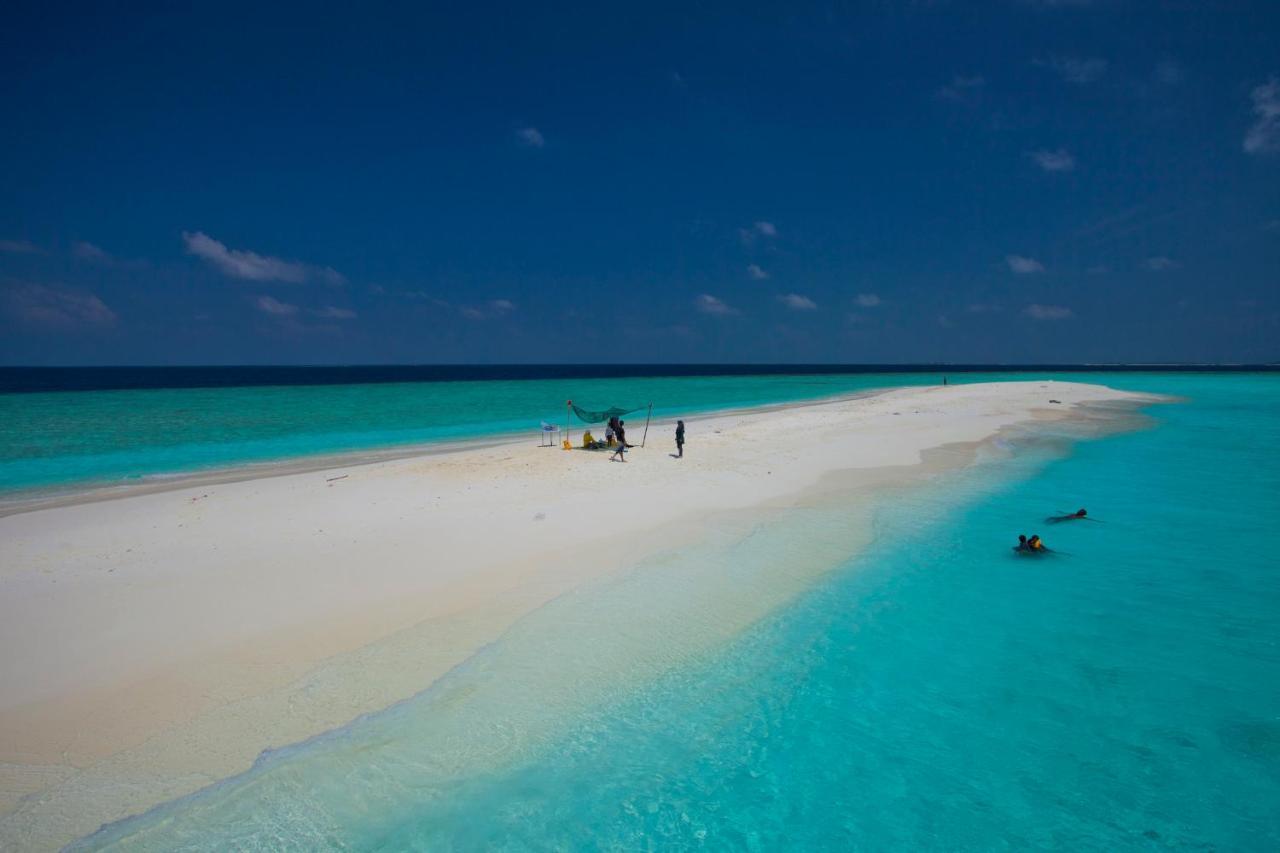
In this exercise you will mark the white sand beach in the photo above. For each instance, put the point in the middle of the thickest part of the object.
(154, 643)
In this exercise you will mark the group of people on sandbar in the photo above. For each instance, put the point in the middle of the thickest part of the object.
(615, 435)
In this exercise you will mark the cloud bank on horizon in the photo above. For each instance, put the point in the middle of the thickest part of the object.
(1041, 180)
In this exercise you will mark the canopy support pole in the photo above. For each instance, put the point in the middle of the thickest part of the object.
(646, 425)
(568, 410)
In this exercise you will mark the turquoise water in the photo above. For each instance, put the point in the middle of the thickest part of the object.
(76, 438)
(934, 692)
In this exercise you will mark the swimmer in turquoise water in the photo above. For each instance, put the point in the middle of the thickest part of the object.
(1079, 515)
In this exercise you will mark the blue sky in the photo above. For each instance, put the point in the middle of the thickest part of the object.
(1016, 181)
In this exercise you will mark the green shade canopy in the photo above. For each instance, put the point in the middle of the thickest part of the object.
(599, 416)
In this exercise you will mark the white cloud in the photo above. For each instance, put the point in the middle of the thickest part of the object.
(90, 252)
(1023, 266)
(1054, 161)
(531, 137)
(755, 272)
(20, 247)
(274, 307)
(330, 312)
(868, 300)
(1161, 264)
(1048, 312)
(796, 302)
(1076, 69)
(758, 229)
(58, 307)
(962, 88)
(1264, 136)
(242, 264)
(95, 254)
(330, 276)
(708, 304)
(425, 296)
(239, 263)
(492, 308)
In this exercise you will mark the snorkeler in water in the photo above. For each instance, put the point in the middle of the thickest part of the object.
(1079, 515)
(1034, 545)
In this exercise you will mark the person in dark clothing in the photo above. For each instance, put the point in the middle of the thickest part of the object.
(621, 452)
(679, 439)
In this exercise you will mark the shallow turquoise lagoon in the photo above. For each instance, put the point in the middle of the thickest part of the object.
(934, 692)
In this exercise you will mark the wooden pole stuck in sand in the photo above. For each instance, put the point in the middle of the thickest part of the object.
(646, 425)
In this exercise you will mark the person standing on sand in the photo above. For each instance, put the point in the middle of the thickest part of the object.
(679, 439)
(622, 442)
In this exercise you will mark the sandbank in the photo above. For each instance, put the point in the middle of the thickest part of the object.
(157, 642)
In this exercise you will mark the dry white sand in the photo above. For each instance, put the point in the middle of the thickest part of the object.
(154, 643)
